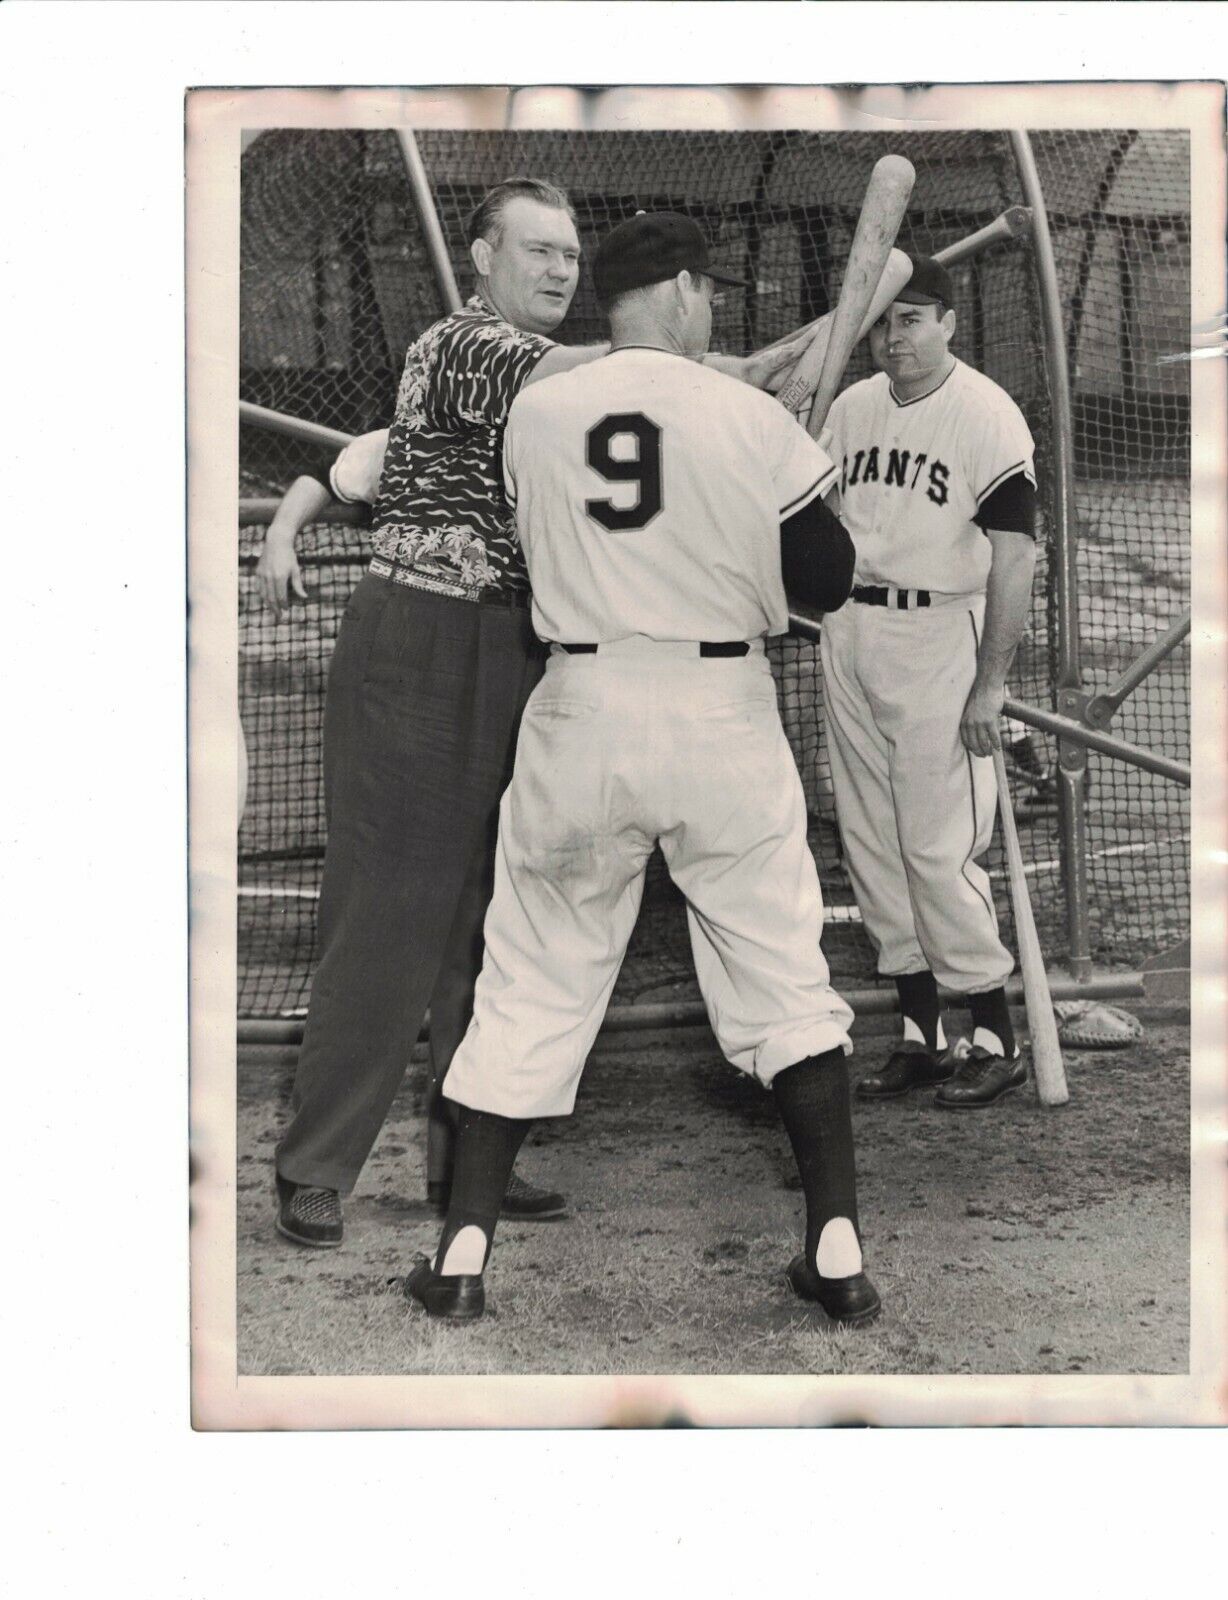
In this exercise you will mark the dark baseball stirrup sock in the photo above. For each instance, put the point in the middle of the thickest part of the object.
(486, 1149)
(990, 1011)
(918, 992)
(813, 1099)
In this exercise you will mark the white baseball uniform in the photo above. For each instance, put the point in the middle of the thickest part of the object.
(649, 491)
(915, 808)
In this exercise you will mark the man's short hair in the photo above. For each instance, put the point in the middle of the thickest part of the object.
(486, 222)
(622, 297)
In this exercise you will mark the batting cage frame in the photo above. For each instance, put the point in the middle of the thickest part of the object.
(1061, 237)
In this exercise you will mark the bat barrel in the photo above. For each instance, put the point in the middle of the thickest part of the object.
(882, 212)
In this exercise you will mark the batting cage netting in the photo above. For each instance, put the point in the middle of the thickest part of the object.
(336, 282)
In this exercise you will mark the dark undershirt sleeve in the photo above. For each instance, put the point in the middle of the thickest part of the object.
(816, 557)
(1011, 508)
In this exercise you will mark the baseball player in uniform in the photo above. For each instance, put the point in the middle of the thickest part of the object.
(434, 660)
(657, 502)
(937, 488)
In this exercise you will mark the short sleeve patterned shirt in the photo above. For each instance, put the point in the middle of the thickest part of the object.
(441, 509)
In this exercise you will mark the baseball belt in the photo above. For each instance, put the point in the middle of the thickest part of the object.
(706, 648)
(897, 599)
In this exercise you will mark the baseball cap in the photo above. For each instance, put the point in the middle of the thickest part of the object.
(649, 248)
(930, 281)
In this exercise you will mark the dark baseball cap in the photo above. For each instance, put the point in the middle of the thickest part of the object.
(649, 248)
(930, 282)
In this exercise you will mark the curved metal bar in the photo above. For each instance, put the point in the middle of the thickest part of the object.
(1072, 761)
(1065, 522)
(293, 427)
(437, 249)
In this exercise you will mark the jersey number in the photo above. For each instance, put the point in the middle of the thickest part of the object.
(643, 469)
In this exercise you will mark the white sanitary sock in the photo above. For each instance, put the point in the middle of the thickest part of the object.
(466, 1253)
(839, 1254)
(913, 1034)
(988, 1040)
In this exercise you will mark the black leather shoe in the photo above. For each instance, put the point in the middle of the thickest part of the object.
(523, 1200)
(910, 1066)
(308, 1215)
(849, 1300)
(980, 1080)
(460, 1299)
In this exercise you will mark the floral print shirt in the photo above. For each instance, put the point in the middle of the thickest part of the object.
(441, 509)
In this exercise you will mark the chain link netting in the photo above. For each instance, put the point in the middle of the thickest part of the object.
(336, 282)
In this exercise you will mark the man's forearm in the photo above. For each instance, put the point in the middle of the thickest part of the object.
(304, 500)
(1008, 601)
(768, 368)
(730, 365)
(562, 357)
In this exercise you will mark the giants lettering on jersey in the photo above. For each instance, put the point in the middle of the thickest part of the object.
(901, 468)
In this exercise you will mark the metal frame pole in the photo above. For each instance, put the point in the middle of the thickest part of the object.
(436, 246)
(293, 427)
(880, 1001)
(1065, 728)
(1101, 707)
(260, 511)
(1072, 757)
(1093, 738)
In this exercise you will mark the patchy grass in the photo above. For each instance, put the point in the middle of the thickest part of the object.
(1013, 1241)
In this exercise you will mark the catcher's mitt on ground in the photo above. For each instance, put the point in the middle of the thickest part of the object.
(1087, 1025)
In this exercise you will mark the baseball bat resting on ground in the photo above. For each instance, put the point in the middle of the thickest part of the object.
(1051, 1089)
(881, 214)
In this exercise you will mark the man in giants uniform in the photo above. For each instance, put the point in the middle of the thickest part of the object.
(938, 491)
(657, 502)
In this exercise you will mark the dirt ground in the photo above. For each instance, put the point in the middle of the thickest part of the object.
(1016, 1240)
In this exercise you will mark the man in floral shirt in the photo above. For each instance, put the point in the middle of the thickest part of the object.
(434, 661)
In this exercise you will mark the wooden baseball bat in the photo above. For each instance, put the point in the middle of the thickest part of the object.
(805, 376)
(882, 212)
(1051, 1089)
(1013, 222)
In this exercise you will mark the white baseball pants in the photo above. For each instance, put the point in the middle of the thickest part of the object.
(915, 807)
(638, 743)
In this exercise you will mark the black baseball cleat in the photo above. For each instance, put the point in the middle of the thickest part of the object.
(522, 1200)
(848, 1300)
(459, 1299)
(308, 1214)
(910, 1066)
(981, 1079)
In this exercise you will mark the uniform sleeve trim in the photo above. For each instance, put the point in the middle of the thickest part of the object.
(819, 487)
(1007, 472)
(337, 492)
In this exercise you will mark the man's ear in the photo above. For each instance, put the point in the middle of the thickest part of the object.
(684, 281)
(948, 324)
(480, 253)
